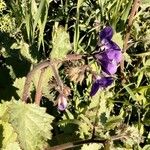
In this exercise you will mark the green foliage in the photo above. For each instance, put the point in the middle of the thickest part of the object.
(7, 22)
(48, 74)
(24, 51)
(19, 84)
(91, 146)
(2, 6)
(9, 135)
(61, 43)
(25, 126)
(13, 146)
(32, 31)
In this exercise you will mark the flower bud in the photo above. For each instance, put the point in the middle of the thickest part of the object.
(62, 102)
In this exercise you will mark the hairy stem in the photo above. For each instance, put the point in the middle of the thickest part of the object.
(29, 78)
(57, 77)
(134, 10)
(41, 65)
(38, 94)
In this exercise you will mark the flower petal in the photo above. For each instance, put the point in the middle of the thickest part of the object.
(106, 33)
(114, 55)
(95, 88)
(105, 81)
(101, 83)
(109, 67)
(109, 44)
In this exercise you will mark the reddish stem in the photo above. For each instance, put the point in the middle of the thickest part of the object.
(38, 94)
(134, 10)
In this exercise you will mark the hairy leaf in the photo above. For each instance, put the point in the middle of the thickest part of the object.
(8, 133)
(13, 146)
(19, 84)
(31, 124)
(61, 43)
(93, 146)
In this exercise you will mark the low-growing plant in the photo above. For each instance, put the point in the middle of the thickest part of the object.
(74, 75)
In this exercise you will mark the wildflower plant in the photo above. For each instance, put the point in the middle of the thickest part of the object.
(74, 74)
(109, 58)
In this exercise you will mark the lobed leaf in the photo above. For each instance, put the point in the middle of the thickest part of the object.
(31, 124)
(61, 43)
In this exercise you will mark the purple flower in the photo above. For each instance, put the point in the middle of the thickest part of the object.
(100, 83)
(62, 103)
(111, 55)
(109, 67)
(106, 33)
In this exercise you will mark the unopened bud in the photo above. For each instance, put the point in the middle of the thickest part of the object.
(62, 102)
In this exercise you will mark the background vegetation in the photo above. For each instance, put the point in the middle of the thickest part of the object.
(46, 52)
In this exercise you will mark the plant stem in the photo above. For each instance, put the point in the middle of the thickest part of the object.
(38, 94)
(41, 65)
(29, 78)
(76, 143)
(57, 77)
(105, 142)
(134, 10)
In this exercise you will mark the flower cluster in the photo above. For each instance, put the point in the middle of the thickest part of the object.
(109, 59)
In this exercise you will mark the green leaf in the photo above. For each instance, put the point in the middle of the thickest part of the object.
(19, 84)
(92, 146)
(3, 110)
(118, 39)
(31, 124)
(140, 77)
(13, 146)
(61, 43)
(146, 147)
(127, 58)
(25, 51)
(132, 136)
(126, 11)
(113, 122)
(146, 118)
(146, 2)
(9, 135)
(133, 96)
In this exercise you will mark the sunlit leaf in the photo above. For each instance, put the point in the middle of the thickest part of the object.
(61, 43)
(92, 146)
(112, 122)
(9, 134)
(146, 147)
(132, 136)
(31, 124)
(25, 51)
(131, 93)
(19, 84)
(13, 146)
(118, 39)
